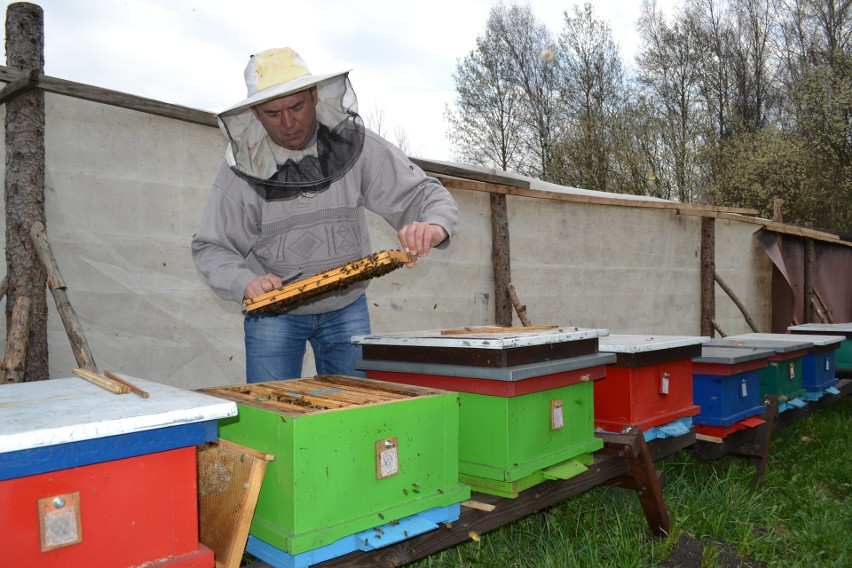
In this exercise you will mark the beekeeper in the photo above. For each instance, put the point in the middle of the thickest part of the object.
(299, 171)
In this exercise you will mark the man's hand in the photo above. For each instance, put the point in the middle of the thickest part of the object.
(418, 238)
(263, 284)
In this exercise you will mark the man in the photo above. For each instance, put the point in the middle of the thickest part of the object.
(289, 198)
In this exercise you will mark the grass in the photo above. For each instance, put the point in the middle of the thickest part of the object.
(800, 515)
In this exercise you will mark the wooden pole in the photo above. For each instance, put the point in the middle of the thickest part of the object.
(708, 271)
(25, 181)
(501, 259)
(808, 291)
(519, 308)
(736, 301)
(16, 343)
(73, 328)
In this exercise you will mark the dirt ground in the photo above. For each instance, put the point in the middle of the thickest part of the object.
(688, 551)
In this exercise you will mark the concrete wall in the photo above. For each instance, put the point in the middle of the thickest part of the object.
(124, 195)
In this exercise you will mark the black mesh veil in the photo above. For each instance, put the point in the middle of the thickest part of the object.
(254, 157)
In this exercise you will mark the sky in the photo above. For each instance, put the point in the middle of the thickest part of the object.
(401, 55)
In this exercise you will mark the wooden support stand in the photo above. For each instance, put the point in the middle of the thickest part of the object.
(753, 444)
(643, 478)
(625, 458)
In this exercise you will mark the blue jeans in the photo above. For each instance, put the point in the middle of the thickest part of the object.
(275, 343)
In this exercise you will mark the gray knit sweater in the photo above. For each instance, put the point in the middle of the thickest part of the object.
(242, 236)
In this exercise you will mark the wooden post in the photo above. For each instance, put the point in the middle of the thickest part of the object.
(25, 182)
(708, 272)
(73, 328)
(808, 291)
(16, 343)
(501, 259)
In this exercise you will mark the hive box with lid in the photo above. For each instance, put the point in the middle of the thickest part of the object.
(350, 455)
(782, 377)
(526, 396)
(93, 478)
(843, 357)
(650, 384)
(726, 384)
(819, 365)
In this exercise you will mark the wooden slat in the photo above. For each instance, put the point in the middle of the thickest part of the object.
(459, 183)
(114, 98)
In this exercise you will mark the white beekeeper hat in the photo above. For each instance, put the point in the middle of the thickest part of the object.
(275, 73)
(252, 154)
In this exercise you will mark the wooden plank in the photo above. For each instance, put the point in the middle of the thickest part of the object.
(133, 388)
(101, 381)
(476, 521)
(115, 98)
(649, 203)
(469, 173)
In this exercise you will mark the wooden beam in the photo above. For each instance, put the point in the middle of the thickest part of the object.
(15, 360)
(708, 270)
(114, 98)
(587, 196)
(781, 228)
(440, 168)
(478, 521)
(501, 259)
(808, 291)
(736, 301)
(24, 83)
(73, 328)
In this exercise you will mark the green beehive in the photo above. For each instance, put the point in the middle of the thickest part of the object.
(350, 454)
(782, 377)
(508, 444)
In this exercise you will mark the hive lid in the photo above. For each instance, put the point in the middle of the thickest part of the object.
(482, 338)
(774, 344)
(644, 343)
(843, 329)
(58, 411)
(322, 393)
(511, 374)
(810, 338)
(729, 355)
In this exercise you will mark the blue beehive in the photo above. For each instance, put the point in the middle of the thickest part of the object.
(726, 384)
(819, 368)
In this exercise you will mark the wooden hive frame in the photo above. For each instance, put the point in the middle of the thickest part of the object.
(229, 481)
(376, 264)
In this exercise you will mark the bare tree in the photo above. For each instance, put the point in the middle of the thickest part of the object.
(484, 126)
(592, 97)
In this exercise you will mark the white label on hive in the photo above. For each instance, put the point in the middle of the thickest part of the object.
(387, 458)
(827, 364)
(664, 383)
(743, 389)
(792, 371)
(557, 420)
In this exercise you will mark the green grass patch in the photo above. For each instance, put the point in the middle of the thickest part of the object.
(800, 515)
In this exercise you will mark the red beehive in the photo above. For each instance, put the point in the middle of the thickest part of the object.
(93, 478)
(650, 384)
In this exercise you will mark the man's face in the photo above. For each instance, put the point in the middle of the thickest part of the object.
(290, 120)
